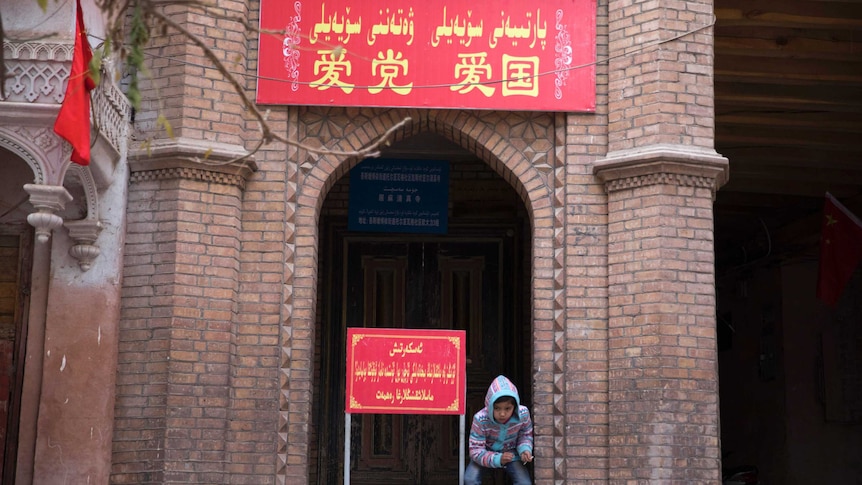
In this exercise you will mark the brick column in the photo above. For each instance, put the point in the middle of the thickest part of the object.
(181, 278)
(660, 80)
(662, 360)
(178, 346)
(661, 173)
(184, 90)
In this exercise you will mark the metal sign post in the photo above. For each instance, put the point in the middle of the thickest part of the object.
(347, 449)
(461, 449)
(461, 452)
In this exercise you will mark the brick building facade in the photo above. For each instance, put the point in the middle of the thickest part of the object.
(216, 333)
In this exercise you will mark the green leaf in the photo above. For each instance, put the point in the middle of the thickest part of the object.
(95, 68)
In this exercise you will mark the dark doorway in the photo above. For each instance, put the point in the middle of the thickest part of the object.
(15, 258)
(474, 278)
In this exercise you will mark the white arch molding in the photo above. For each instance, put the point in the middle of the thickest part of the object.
(38, 147)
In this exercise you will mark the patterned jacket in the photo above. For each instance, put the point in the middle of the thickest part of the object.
(490, 439)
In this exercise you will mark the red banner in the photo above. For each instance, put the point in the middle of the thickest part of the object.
(504, 54)
(402, 371)
(840, 249)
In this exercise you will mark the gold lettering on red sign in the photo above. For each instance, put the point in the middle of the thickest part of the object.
(521, 79)
(471, 72)
(395, 23)
(334, 30)
(332, 65)
(460, 27)
(389, 66)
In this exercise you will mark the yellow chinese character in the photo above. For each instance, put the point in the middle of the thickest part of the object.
(471, 67)
(389, 67)
(332, 69)
(521, 77)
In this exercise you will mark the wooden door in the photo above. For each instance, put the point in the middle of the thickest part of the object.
(15, 266)
(465, 283)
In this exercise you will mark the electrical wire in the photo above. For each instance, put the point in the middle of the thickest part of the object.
(627, 53)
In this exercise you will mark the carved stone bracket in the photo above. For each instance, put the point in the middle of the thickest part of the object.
(84, 233)
(663, 164)
(47, 199)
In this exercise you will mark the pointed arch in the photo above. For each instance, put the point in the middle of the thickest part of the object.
(527, 159)
(16, 144)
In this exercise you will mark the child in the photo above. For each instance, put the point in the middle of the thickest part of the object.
(501, 435)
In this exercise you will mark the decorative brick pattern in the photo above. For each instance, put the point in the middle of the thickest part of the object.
(291, 386)
(189, 173)
(661, 179)
(559, 394)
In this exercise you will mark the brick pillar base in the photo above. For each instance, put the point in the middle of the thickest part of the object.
(179, 304)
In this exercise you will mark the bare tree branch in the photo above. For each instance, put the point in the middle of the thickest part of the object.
(267, 134)
(149, 15)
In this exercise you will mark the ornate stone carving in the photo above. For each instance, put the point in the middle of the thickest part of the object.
(111, 113)
(37, 71)
(85, 231)
(13, 140)
(51, 151)
(47, 199)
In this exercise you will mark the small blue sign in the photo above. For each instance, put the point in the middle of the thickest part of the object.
(388, 195)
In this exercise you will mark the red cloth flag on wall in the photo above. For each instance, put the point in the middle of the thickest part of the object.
(840, 249)
(73, 121)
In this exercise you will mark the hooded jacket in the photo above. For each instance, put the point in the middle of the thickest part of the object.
(490, 439)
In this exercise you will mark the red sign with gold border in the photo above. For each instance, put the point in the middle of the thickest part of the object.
(405, 371)
(505, 54)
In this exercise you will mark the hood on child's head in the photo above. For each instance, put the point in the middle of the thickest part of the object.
(501, 386)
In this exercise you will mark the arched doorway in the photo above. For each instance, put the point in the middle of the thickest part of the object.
(475, 277)
(16, 258)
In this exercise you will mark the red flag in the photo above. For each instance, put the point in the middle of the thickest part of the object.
(840, 249)
(73, 121)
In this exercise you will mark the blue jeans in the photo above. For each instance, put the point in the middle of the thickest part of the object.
(516, 470)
